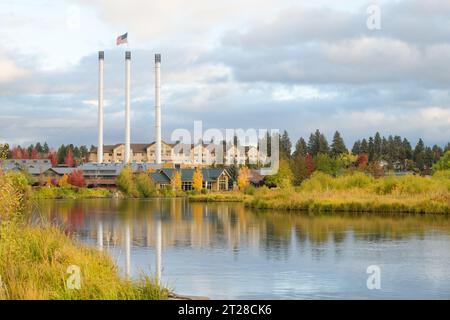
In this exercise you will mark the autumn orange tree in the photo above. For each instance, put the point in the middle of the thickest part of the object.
(363, 160)
(68, 160)
(243, 178)
(197, 180)
(176, 181)
(76, 178)
(64, 181)
(53, 158)
(34, 154)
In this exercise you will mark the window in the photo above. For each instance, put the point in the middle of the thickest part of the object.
(223, 183)
(207, 185)
(186, 186)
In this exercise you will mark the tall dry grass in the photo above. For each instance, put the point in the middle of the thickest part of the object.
(34, 260)
(359, 193)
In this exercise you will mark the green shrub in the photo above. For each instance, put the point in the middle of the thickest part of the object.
(167, 192)
(250, 190)
(125, 183)
(145, 186)
(443, 163)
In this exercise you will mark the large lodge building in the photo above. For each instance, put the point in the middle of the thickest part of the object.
(185, 155)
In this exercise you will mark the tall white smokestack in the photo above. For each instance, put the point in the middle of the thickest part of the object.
(101, 60)
(127, 106)
(158, 107)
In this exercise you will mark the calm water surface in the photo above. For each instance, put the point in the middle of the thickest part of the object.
(227, 251)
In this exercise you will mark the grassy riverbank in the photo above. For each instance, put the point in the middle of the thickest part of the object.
(34, 260)
(356, 192)
(69, 193)
(218, 197)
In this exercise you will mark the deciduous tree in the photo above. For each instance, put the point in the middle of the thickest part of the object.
(443, 163)
(53, 158)
(68, 159)
(64, 181)
(197, 180)
(176, 181)
(362, 161)
(76, 178)
(243, 178)
(34, 153)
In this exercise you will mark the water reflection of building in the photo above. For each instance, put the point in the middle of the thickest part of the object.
(228, 226)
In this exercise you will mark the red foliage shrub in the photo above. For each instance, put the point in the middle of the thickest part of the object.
(76, 178)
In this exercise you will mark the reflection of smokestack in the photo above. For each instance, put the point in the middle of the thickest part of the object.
(158, 107)
(101, 58)
(158, 251)
(127, 106)
(100, 235)
(127, 250)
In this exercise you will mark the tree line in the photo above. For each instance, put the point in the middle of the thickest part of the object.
(69, 155)
(376, 155)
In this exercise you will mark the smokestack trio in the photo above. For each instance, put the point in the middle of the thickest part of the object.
(127, 157)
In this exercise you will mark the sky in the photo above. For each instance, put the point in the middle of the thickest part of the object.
(262, 64)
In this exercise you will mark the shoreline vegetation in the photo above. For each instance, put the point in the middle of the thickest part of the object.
(34, 259)
(352, 192)
(356, 192)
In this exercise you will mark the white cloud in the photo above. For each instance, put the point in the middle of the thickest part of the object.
(298, 92)
(9, 71)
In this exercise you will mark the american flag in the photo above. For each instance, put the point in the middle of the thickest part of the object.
(122, 39)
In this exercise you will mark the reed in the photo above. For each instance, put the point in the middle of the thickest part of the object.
(69, 193)
(34, 259)
(359, 193)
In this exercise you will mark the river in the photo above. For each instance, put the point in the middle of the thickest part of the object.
(227, 251)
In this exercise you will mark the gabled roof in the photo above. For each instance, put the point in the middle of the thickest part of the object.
(159, 177)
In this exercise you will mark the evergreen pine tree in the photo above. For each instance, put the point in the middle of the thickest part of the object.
(61, 153)
(447, 147)
(377, 146)
(364, 147)
(338, 146)
(356, 150)
(419, 155)
(46, 149)
(371, 149)
(437, 153)
(407, 149)
(285, 146)
(323, 145)
(313, 143)
(301, 148)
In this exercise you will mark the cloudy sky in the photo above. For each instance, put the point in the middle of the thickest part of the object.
(295, 65)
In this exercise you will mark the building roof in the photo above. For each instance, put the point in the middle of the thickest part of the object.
(142, 147)
(159, 177)
(135, 147)
(61, 170)
(114, 169)
(187, 175)
(104, 169)
(32, 166)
